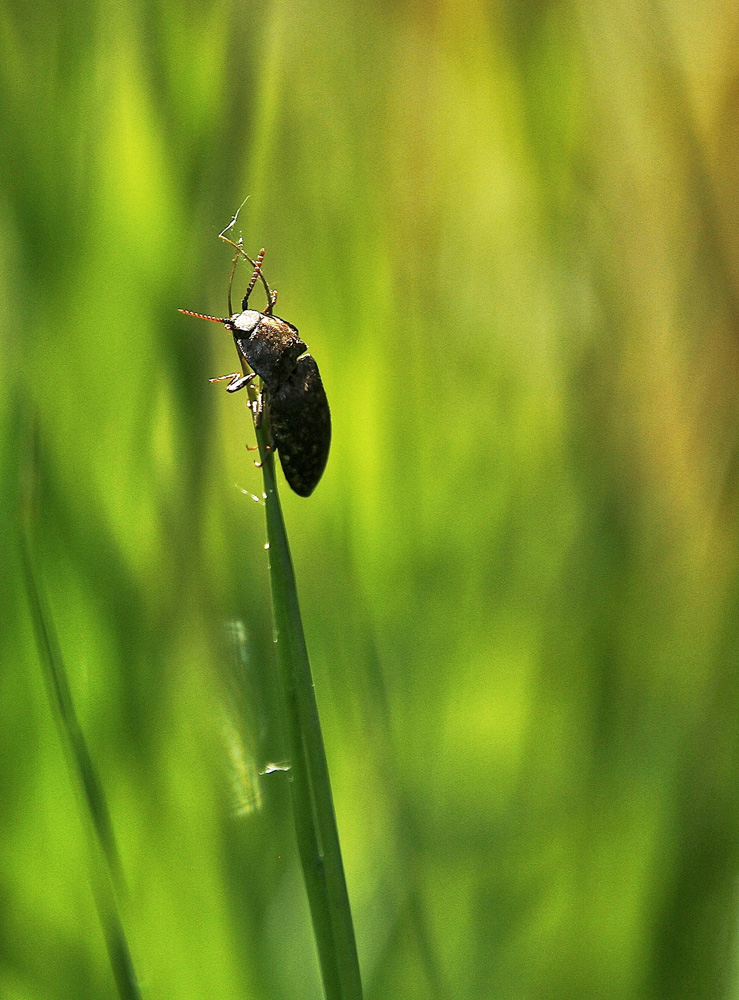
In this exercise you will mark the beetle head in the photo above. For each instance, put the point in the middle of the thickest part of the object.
(240, 324)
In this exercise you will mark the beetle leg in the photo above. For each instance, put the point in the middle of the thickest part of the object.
(257, 408)
(270, 445)
(238, 380)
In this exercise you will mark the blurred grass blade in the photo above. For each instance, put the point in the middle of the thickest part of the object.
(240, 730)
(310, 786)
(106, 873)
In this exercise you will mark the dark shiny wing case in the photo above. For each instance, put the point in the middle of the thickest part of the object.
(301, 426)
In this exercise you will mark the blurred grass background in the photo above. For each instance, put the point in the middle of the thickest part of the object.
(509, 234)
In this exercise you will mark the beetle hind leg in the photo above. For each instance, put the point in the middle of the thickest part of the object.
(257, 408)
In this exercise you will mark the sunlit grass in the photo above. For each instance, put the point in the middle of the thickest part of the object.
(508, 235)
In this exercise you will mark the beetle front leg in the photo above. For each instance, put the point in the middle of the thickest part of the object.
(238, 380)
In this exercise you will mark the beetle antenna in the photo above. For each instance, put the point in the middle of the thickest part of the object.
(252, 283)
(213, 319)
(240, 250)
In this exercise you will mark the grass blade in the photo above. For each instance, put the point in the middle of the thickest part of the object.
(106, 876)
(310, 786)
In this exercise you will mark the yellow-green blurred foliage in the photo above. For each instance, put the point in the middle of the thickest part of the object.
(508, 232)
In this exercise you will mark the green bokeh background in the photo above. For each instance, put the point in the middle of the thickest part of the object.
(508, 232)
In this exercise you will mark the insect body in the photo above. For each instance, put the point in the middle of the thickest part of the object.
(292, 391)
(296, 402)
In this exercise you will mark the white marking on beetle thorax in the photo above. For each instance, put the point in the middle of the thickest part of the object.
(247, 321)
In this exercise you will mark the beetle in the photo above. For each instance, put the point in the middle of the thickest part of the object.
(292, 394)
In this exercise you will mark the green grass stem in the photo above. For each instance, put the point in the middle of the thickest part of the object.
(310, 786)
(105, 869)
